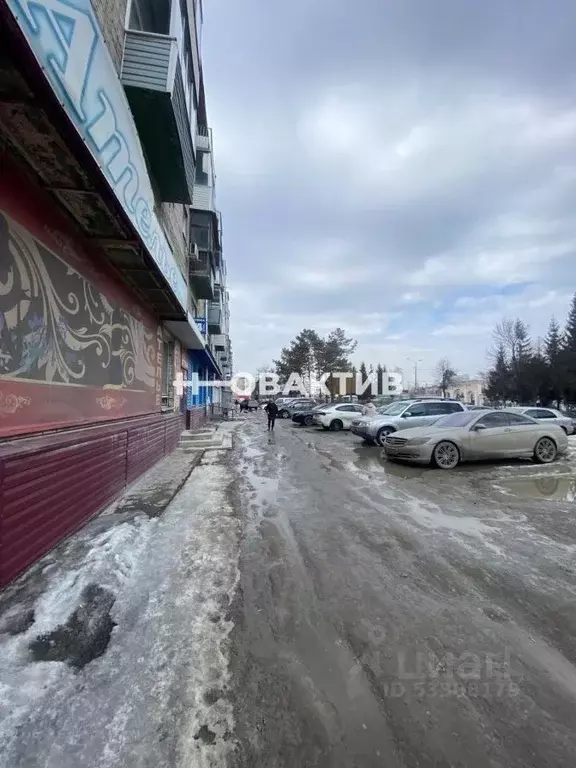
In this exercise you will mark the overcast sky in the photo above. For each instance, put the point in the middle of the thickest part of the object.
(405, 169)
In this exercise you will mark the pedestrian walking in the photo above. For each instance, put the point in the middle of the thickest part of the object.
(369, 409)
(272, 411)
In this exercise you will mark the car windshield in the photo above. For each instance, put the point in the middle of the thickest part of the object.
(386, 409)
(461, 419)
(395, 409)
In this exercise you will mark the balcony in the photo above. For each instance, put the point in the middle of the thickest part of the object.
(204, 138)
(201, 274)
(152, 78)
(214, 318)
(203, 198)
(220, 276)
(220, 342)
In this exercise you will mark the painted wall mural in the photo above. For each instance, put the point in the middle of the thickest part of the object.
(56, 327)
(73, 349)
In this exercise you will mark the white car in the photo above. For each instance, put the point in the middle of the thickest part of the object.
(547, 414)
(337, 417)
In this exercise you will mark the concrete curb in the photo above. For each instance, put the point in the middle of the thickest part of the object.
(152, 493)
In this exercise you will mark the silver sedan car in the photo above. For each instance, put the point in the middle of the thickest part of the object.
(478, 435)
(403, 415)
(548, 414)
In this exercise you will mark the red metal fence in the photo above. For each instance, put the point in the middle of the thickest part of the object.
(51, 485)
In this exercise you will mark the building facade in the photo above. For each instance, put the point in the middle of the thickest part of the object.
(469, 391)
(112, 275)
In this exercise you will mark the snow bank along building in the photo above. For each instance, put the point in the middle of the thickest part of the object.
(112, 279)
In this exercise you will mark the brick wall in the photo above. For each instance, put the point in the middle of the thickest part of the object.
(111, 16)
(173, 219)
(198, 417)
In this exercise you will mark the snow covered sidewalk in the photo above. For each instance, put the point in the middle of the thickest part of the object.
(115, 652)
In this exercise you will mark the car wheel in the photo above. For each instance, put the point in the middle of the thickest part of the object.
(336, 425)
(284, 414)
(383, 434)
(545, 451)
(308, 421)
(446, 455)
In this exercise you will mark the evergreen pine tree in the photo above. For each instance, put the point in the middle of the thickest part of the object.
(569, 341)
(567, 358)
(553, 354)
(499, 378)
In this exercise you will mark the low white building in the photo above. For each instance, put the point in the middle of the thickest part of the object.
(469, 391)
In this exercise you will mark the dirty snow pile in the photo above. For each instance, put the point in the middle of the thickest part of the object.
(116, 653)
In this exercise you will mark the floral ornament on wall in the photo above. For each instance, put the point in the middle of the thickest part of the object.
(10, 403)
(58, 327)
(109, 403)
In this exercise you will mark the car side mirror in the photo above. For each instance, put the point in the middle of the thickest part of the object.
(479, 427)
(404, 415)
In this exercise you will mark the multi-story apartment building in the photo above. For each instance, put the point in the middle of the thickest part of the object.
(112, 275)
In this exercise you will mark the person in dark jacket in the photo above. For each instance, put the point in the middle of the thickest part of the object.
(272, 411)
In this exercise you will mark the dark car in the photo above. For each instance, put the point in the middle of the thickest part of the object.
(303, 416)
(286, 410)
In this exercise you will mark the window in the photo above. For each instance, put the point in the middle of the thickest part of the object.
(516, 420)
(493, 420)
(201, 163)
(347, 408)
(168, 374)
(419, 409)
(460, 419)
(396, 409)
(200, 236)
(440, 409)
(150, 17)
(541, 413)
(454, 407)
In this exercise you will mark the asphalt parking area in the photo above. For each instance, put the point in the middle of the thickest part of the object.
(515, 478)
(363, 580)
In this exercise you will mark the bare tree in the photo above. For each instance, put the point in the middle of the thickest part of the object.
(504, 336)
(445, 375)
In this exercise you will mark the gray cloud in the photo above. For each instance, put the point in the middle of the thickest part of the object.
(389, 148)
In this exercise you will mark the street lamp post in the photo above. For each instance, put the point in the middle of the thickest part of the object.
(415, 363)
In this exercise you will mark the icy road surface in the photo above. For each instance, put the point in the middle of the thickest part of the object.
(304, 603)
(398, 616)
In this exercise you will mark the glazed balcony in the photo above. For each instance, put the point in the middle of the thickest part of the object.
(201, 274)
(220, 342)
(214, 317)
(204, 138)
(152, 78)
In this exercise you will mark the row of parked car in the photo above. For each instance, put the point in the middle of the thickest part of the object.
(441, 431)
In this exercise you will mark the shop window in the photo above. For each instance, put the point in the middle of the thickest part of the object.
(168, 374)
